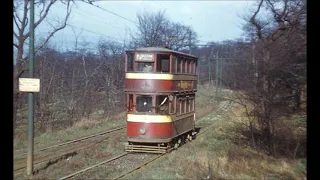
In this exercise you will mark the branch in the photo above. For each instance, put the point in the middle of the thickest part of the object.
(16, 15)
(15, 21)
(43, 16)
(254, 22)
(279, 17)
(15, 45)
(23, 22)
(45, 13)
(56, 30)
(15, 34)
(84, 66)
(20, 73)
(42, 8)
(95, 70)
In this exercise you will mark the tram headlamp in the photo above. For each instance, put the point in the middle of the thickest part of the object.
(142, 131)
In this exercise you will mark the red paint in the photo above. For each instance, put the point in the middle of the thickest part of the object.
(153, 130)
(150, 85)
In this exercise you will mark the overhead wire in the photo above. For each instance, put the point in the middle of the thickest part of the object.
(110, 12)
(95, 17)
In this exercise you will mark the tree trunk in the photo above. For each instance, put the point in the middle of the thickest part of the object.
(297, 98)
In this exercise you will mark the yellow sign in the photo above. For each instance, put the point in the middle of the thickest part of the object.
(29, 85)
(144, 57)
(184, 85)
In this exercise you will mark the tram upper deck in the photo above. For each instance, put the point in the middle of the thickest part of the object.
(155, 69)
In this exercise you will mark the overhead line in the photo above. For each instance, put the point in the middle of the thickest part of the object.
(111, 12)
(92, 32)
(89, 31)
(97, 18)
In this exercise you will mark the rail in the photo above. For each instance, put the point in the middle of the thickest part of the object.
(72, 141)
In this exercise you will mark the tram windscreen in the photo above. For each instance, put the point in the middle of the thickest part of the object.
(144, 67)
(144, 103)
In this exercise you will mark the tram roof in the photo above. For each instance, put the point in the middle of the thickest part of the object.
(159, 49)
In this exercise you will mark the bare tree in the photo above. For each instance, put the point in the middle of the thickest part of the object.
(21, 34)
(268, 73)
(157, 30)
(277, 72)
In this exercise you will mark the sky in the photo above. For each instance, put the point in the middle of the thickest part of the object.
(212, 20)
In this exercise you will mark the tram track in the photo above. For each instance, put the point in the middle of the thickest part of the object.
(221, 108)
(162, 155)
(72, 141)
(77, 145)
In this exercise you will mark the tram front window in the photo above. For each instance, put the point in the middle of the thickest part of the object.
(145, 67)
(144, 103)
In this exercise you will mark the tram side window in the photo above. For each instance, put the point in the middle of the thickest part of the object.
(183, 108)
(163, 63)
(179, 65)
(178, 106)
(174, 62)
(195, 68)
(172, 103)
(192, 67)
(130, 62)
(162, 104)
(192, 104)
(187, 66)
(144, 103)
(188, 105)
(130, 103)
(183, 66)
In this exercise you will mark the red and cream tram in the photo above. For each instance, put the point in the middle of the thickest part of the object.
(160, 86)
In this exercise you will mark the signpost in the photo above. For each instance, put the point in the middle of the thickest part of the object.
(29, 85)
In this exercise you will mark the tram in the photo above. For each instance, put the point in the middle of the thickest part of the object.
(160, 86)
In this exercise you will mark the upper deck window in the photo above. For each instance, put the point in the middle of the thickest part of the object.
(163, 63)
(130, 62)
(174, 64)
(179, 65)
(144, 62)
(144, 67)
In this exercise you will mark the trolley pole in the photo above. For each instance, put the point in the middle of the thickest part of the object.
(31, 94)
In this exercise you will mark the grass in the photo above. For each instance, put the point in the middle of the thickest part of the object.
(80, 129)
(214, 155)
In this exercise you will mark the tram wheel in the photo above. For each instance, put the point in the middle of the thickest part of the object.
(189, 137)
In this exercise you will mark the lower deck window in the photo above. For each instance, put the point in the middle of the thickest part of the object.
(162, 105)
(144, 103)
(130, 103)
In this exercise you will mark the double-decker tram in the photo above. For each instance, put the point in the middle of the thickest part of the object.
(160, 86)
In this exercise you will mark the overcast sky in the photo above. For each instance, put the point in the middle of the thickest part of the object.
(214, 20)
